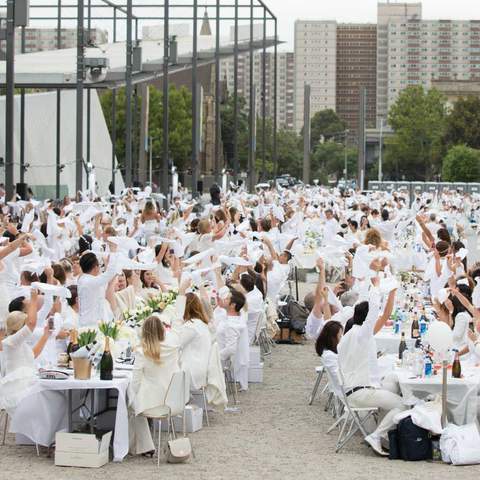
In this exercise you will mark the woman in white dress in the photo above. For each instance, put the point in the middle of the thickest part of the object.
(191, 326)
(326, 347)
(17, 388)
(5, 274)
(155, 363)
(18, 356)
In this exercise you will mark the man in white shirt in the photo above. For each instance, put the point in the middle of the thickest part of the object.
(92, 286)
(331, 226)
(357, 357)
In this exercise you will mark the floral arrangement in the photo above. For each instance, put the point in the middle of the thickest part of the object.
(135, 318)
(109, 329)
(160, 302)
(86, 337)
(312, 241)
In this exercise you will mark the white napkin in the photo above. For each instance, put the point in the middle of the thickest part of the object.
(52, 290)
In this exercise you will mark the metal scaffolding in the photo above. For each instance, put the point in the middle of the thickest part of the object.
(128, 16)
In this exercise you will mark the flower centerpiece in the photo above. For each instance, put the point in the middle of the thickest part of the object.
(312, 241)
(87, 337)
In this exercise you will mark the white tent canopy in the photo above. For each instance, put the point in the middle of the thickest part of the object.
(40, 143)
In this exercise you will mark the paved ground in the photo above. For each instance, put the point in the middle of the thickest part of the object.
(277, 436)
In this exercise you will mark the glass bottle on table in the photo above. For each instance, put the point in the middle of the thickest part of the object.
(402, 347)
(415, 328)
(457, 366)
(72, 346)
(106, 363)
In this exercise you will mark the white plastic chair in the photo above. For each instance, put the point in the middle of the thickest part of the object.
(176, 398)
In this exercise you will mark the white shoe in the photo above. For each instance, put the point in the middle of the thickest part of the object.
(376, 445)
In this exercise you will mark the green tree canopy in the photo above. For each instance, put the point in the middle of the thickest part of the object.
(325, 123)
(180, 127)
(227, 116)
(462, 164)
(329, 159)
(463, 123)
(418, 119)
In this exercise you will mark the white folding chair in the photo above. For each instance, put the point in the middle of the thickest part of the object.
(230, 381)
(176, 398)
(6, 418)
(261, 336)
(352, 419)
(320, 371)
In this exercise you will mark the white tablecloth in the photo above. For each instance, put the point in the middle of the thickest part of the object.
(388, 342)
(120, 440)
(462, 393)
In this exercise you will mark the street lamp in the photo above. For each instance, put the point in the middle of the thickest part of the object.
(380, 156)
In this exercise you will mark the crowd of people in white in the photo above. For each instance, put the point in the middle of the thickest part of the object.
(68, 265)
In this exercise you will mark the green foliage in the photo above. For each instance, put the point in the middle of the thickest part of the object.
(86, 338)
(227, 116)
(180, 128)
(462, 164)
(463, 123)
(329, 159)
(418, 119)
(109, 330)
(325, 123)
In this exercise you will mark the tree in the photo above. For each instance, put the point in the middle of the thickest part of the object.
(180, 126)
(462, 164)
(325, 123)
(289, 151)
(418, 119)
(329, 159)
(463, 123)
(228, 124)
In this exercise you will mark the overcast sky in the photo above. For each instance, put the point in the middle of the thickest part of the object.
(360, 11)
(290, 10)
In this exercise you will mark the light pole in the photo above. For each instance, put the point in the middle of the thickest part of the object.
(346, 155)
(380, 156)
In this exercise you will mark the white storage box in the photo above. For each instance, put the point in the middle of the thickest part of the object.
(255, 359)
(255, 374)
(193, 420)
(81, 450)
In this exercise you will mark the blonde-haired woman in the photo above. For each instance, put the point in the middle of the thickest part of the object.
(25, 407)
(194, 338)
(18, 360)
(155, 363)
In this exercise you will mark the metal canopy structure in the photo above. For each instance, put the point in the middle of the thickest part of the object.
(119, 66)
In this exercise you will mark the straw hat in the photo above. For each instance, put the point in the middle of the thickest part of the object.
(15, 321)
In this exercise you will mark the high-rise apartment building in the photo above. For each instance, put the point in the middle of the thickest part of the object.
(285, 85)
(388, 13)
(420, 51)
(356, 69)
(40, 39)
(315, 65)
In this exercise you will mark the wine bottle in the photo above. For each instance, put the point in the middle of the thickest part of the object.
(106, 363)
(457, 366)
(72, 346)
(402, 347)
(415, 328)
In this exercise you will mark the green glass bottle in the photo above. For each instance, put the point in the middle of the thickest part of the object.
(106, 363)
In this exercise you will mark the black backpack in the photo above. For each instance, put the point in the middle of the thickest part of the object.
(294, 313)
(410, 442)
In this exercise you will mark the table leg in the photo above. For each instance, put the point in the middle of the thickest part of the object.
(92, 410)
(70, 413)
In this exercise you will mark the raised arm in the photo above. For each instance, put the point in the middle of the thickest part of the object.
(386, 312)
